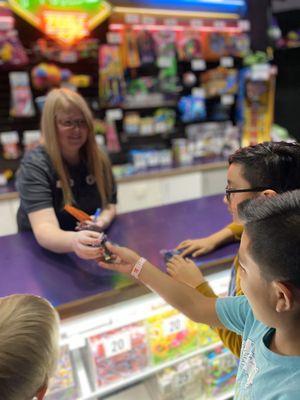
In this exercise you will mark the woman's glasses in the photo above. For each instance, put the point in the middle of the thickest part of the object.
(72, 123)
(228, 191)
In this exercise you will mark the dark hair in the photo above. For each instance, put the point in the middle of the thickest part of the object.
(272, 165)
(273, 227)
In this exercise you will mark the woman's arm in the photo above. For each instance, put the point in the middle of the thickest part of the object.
(49, 235)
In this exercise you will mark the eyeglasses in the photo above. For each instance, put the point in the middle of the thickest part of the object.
(229, 191)
(72, 123)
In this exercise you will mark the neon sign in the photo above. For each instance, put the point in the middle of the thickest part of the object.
(65, 21)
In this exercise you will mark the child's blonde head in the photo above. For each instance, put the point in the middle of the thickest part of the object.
(28, 345)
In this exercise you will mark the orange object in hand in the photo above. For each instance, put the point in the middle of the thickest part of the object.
(78, 214)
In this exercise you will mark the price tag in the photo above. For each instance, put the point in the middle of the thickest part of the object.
(198, 92)
(170, 21)
(244, 25)
(147, 20)
(113, 38)
(76, 342)
(226, 62)
(114, 114)
(260, 72)
(164, 62)
(132, 18)
(219, 24)
(227, 99)
(198, 65)
(117, 344)
(174, 324)
(196, 23)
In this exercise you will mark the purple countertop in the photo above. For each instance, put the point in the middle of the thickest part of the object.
(66, 280)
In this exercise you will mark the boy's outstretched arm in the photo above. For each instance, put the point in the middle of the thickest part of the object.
(187, 300)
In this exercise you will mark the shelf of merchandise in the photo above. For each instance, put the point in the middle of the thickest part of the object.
(147, 372)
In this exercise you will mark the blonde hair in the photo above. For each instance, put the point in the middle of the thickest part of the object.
(97, 161)
(28, 345)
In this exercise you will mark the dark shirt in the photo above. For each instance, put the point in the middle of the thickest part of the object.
(39, 188)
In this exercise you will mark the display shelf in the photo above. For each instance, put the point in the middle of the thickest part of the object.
(147, 372)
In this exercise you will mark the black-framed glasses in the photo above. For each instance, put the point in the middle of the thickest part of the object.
(256, 189)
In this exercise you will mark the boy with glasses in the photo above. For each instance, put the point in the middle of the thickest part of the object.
(268, 316)
(261, 170)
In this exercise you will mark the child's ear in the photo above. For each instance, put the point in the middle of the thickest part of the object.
(269, 193)
(42, 392)
(284, 297)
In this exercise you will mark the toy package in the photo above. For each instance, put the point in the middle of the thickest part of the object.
(183, 380)
(146, 47)
(192, 108)
(130, 51)
(219, 81)
(118, 354)
(220, 374)
(258, 104)
(189, 46)
(12, 52)
(214, 45)
(20, 93)
(112, 139)
(10, 145)
(50, 50)
(31, 139)
(170, 335)
(63, 386)
(111, 79)
(46, 76)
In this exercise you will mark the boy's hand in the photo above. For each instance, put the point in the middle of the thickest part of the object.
(185, 271)
(197, 247)
(124, 260)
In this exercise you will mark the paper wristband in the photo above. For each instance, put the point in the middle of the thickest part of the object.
(136, 270)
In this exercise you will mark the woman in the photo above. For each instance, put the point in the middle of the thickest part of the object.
(68, 168)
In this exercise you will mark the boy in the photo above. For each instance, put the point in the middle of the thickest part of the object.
(29, 346)
(261, 170)
(268, 316)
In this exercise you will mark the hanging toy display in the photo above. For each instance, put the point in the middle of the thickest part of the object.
(111, 79)
(21, 98)
(10, 145)
(146, 47)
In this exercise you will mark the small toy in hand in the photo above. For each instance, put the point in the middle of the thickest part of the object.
(168, 254)
(85, 223)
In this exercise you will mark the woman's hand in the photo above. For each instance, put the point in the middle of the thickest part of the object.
(124, 261)
(197, 247)
(185, 271)
(84, 244)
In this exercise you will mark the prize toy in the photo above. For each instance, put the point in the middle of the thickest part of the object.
(21, 98)
(12, 52)
(111, 79)
(189, 46)
(219, 81)
(170, 335)
(112, 140)
(31, 139)
(146, 47)
(46, 76)
(192, 108)
(10, 145)
(165, 44)
(220, 375)
(258, 105)
(63, 385)
(5, 176)
(130, 52)
(86, 223)
(214, 45)
(118, 354)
